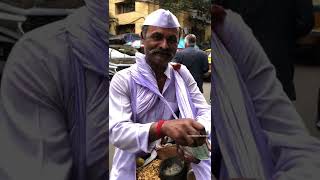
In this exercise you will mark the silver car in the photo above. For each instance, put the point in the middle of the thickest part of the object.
(119, 61)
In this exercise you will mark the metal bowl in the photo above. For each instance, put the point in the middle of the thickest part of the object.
(173, 169)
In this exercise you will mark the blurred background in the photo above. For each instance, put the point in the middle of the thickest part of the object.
(289, 32)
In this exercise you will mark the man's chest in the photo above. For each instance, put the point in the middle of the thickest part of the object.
(151, 106)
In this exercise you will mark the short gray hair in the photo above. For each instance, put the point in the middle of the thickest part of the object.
(190, 39)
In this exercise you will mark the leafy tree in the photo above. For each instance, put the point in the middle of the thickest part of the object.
(185, 5)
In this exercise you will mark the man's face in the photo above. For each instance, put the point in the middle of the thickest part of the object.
(160, 45)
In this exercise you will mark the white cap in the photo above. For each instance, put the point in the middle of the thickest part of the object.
(162, 18)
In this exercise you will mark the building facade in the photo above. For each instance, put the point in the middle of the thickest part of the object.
(127, 16)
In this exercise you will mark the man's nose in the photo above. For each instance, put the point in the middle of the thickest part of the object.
(164, 44)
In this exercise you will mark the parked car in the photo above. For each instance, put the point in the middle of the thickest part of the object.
(119, 61)
(124, 39)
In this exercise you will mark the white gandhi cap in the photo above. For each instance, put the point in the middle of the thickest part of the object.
(162, 18)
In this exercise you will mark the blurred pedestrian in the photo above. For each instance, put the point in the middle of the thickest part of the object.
(194, 59)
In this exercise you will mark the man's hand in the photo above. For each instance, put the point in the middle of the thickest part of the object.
(185, 156)
(181, 129)
(185, 132)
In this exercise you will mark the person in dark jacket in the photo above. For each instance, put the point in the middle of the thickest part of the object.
(277, 25)
(194, 59)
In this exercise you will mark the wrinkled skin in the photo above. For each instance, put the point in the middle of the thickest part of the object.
(160, 46)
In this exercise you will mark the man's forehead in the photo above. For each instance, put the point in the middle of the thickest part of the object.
(153, 29)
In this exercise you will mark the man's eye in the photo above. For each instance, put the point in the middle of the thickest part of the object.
(157, 37)
(172, 39)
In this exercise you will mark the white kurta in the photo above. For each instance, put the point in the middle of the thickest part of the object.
(132, 138)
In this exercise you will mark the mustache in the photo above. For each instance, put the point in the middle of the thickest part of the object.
(161, 51)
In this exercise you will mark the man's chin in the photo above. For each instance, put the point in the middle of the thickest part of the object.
(162, 57)
(158, 62)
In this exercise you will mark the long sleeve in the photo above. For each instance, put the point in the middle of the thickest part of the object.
(124, 133)
(34, 139)
(203, 113)
(202, 170)
(295, 153)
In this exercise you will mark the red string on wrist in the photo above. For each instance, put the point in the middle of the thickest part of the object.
(158, 128)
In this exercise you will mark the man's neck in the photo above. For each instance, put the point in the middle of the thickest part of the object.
(189, 46)
(160, 76)
(158, 71)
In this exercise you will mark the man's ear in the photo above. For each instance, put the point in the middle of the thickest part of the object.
(180, 33)
(141, 35)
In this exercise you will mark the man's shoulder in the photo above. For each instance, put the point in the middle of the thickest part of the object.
(123, 75)
(186, 50)
(200, 53)
(183, 52)
(120, 82)
(191, 50)
(183, 71)
(180, 52)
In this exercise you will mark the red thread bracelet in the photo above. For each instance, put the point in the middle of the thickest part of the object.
(158, 128)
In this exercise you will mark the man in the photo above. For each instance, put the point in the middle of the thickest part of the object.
(194, 59)
(260, 133)
(147, 99)
(277, 25)
(54, 101)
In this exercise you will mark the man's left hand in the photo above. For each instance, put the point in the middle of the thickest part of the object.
(186, 156)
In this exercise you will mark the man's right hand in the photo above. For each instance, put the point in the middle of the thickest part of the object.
(179, 130)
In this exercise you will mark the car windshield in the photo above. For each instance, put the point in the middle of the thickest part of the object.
(131, 37)
(117, 54)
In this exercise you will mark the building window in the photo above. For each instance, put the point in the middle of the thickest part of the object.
(125, 7)
(127, 28)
